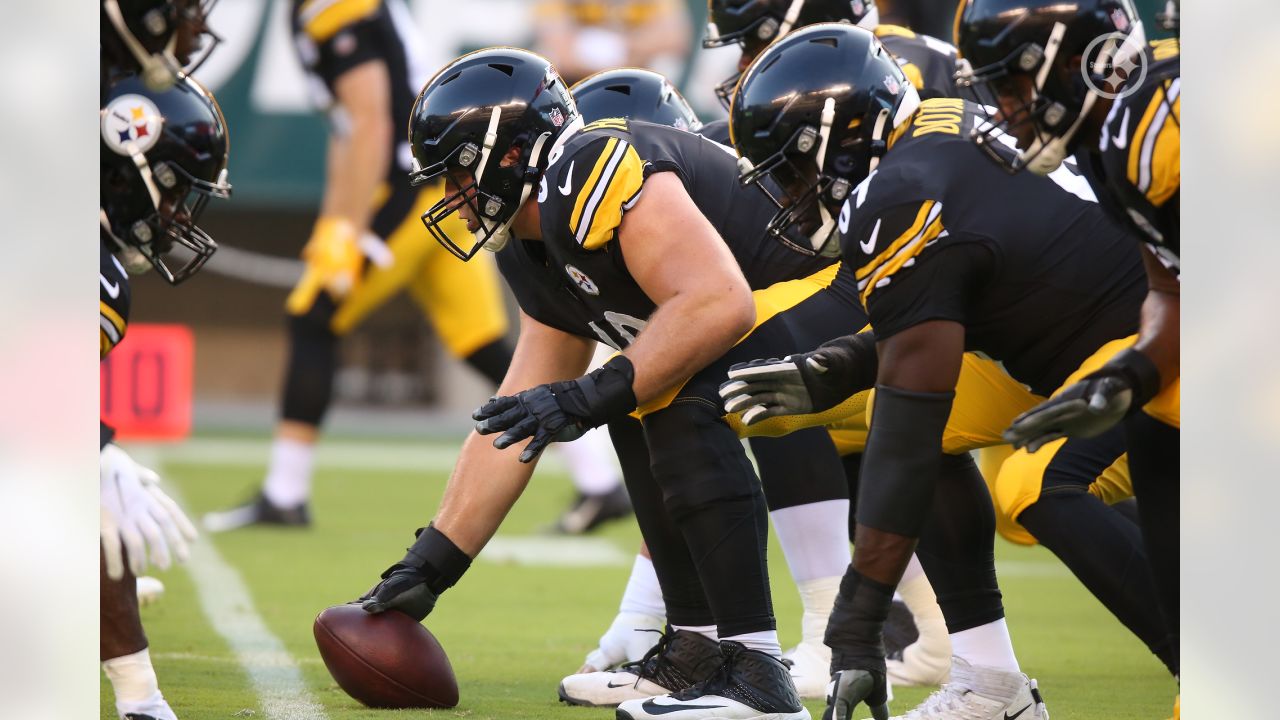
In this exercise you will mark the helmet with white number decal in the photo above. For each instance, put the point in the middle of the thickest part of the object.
(634, 94)
(753, 24)
(486, 122)
(1043, 65)
(813, 113)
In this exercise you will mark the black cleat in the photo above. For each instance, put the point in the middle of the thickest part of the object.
(589, 512)
(679, 660)
(258, 511)
(748, 685)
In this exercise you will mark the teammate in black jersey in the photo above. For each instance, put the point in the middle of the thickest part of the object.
(951, 254)
(1081, 78)
(163, 157)
(596, 258)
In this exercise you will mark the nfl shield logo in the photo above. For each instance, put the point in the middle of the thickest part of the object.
(891, 83)
(557, 117)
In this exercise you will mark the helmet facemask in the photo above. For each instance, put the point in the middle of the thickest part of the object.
(176, 29)
(493, 209)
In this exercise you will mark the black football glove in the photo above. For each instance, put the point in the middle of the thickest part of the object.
(561, 411)
(430, 566)
(849, 688)
(1091, 406)
(802, 383)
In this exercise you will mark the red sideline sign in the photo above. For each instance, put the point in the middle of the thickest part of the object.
(146, 383)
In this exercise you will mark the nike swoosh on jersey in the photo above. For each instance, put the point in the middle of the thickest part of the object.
(1007, 716)
(113, 289)
(1121, 141)
(567, 187)
(870, 244)
(654, 708)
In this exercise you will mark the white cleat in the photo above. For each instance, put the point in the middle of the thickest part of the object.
(677, 662)
(150, 590)
(982, 693)
(748, 685)
(627, 640)
(810, 668)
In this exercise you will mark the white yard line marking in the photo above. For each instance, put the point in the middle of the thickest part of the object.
(533, 551)
(274, 673)
(338, 455)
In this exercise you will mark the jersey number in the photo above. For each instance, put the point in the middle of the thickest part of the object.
(625, 329)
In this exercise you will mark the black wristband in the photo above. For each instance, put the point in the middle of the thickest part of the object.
(437, 558)
(606, 392)
(855, 630)
(900, 462)
(1141, 374)
(865, 362)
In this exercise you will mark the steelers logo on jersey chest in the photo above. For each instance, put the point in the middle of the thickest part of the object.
(131, 123)
(580, 279)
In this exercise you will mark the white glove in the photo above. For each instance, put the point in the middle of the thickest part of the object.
(627, 640)
(137, 515)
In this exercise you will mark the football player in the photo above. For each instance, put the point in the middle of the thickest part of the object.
(929, 63)
(808, 504)
(922, 194)
(163, 157)
(367, 246)
(1081, 78)
(595, 258)
(156, 39)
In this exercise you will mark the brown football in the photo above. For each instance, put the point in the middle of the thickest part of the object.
(386, 660)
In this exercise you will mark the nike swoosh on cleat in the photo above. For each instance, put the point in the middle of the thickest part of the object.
(1007, 716)
(625, 684)
(653, 708)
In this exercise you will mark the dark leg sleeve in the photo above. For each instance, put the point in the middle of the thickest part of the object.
(313, 362)
(1157, 474)
(492, 360)
(799, 468)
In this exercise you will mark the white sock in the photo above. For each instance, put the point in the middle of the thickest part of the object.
(915, 590)
(592, 463)
(288, 481)
(643, 595)
(765, 641)
(817, 596)
(133, 681)
(814, 538)
(913, 571)
(707, 631)
(986, 646)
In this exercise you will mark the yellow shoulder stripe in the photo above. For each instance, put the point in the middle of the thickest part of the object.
(110, 315)
(1166, 161)
(104, 343)
(612, 187)
(885, 30)
(606, 124)
(322, 19)
(906, 255)
(1154, 162)
(921, 217)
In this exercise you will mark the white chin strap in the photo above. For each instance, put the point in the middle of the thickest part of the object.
(158, 71)
(820, 236)
(871, 20)
(133, 260)
(502, 235)
(789, 20)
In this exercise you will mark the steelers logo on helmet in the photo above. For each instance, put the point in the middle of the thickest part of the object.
(581, 280)
(131, 123)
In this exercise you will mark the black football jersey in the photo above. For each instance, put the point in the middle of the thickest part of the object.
(334, 36)
(1036, 271)
(113, 299)
(575, 279)
(929, 63)
(1136, 170)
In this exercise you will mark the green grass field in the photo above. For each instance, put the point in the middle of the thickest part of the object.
(512, 630)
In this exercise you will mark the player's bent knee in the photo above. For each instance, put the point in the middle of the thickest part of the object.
(696, 458)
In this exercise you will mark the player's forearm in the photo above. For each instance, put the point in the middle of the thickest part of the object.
(1160, 335)
(685, 334)
(358, 165)
(485, 484)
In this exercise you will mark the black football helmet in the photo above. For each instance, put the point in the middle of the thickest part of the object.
(635, 94)
(155, 39)
(467, 119)
(164, 155)
(813, 113)
(1040, 66)
(753, 24)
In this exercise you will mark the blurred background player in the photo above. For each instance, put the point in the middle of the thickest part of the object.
(163, 157)
(367, 246)
(581, 37)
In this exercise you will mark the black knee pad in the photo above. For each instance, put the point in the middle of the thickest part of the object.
(799, 468)
(696, 458)
(313, 362)
(957, 546)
